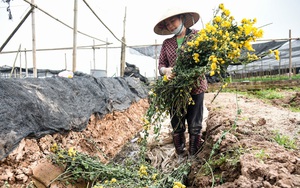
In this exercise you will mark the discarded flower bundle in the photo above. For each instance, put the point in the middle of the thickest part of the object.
(131, 173)
(221, 43)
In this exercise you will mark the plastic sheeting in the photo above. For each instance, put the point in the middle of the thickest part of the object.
(150, 51)
(268, 62)
(34, 107)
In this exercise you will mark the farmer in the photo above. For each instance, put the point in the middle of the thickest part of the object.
(177, 22)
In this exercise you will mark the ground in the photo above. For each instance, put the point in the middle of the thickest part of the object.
(246, 156)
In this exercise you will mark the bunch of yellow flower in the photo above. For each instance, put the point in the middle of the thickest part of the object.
(178, 185)
(220, 44)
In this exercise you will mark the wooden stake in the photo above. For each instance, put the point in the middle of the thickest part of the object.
(75, 35)
(290, 54)
(123, 47)
(33, 42)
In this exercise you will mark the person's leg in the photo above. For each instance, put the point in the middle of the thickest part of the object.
(194, 120)
(178, 125)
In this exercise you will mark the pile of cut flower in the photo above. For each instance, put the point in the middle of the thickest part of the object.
(82, 167)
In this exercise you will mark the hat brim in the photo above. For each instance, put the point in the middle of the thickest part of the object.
(190, 19)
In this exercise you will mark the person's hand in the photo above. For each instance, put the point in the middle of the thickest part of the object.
(168, 72)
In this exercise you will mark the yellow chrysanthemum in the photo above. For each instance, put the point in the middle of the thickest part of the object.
(146, 127)
(221, 6)
(143, 171)
(226, 12)
(247, 29)
(244, 21)
(213, 66)
(146, 121)
(248, 46)
(217, 19)
(178, 185)
(154, 176)
(196, 57)
(224, 85)
(226, 24)
(113, 180)
(165, 78)
(71, 152)
(190, 43)
(54, 148)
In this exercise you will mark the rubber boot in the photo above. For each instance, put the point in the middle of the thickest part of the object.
(195, 143)
(179, 142)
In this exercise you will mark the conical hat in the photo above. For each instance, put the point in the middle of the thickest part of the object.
(190, 19)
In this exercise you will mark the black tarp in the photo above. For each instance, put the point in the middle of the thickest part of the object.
(261, 48)
(34, 107)
(133, 71)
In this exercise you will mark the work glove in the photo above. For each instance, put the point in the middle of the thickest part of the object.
(168, 72)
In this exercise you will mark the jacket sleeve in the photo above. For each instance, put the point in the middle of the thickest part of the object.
(163, 59)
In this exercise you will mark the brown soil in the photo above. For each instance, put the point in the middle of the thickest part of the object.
(247, 155)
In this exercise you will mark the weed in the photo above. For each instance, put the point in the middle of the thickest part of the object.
(294, 107)
(284, 141)
(261, 155)
(268, 94)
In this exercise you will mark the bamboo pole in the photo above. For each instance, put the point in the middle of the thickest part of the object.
(290, 55)
(94, 58)
(156, 64)
(279, 69)
(16, 29)
(20, 71)
(75, 35)
(13, 67)
(66, 65)
(278, 39)
(63, 48)
(33, 43)
(26, 62)
(106, 63)
(123, 47)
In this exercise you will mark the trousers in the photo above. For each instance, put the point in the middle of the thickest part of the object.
(194, 117)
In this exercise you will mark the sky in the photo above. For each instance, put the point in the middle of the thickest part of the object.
(276, 17)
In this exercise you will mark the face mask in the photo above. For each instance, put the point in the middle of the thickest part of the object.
(178, 30)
